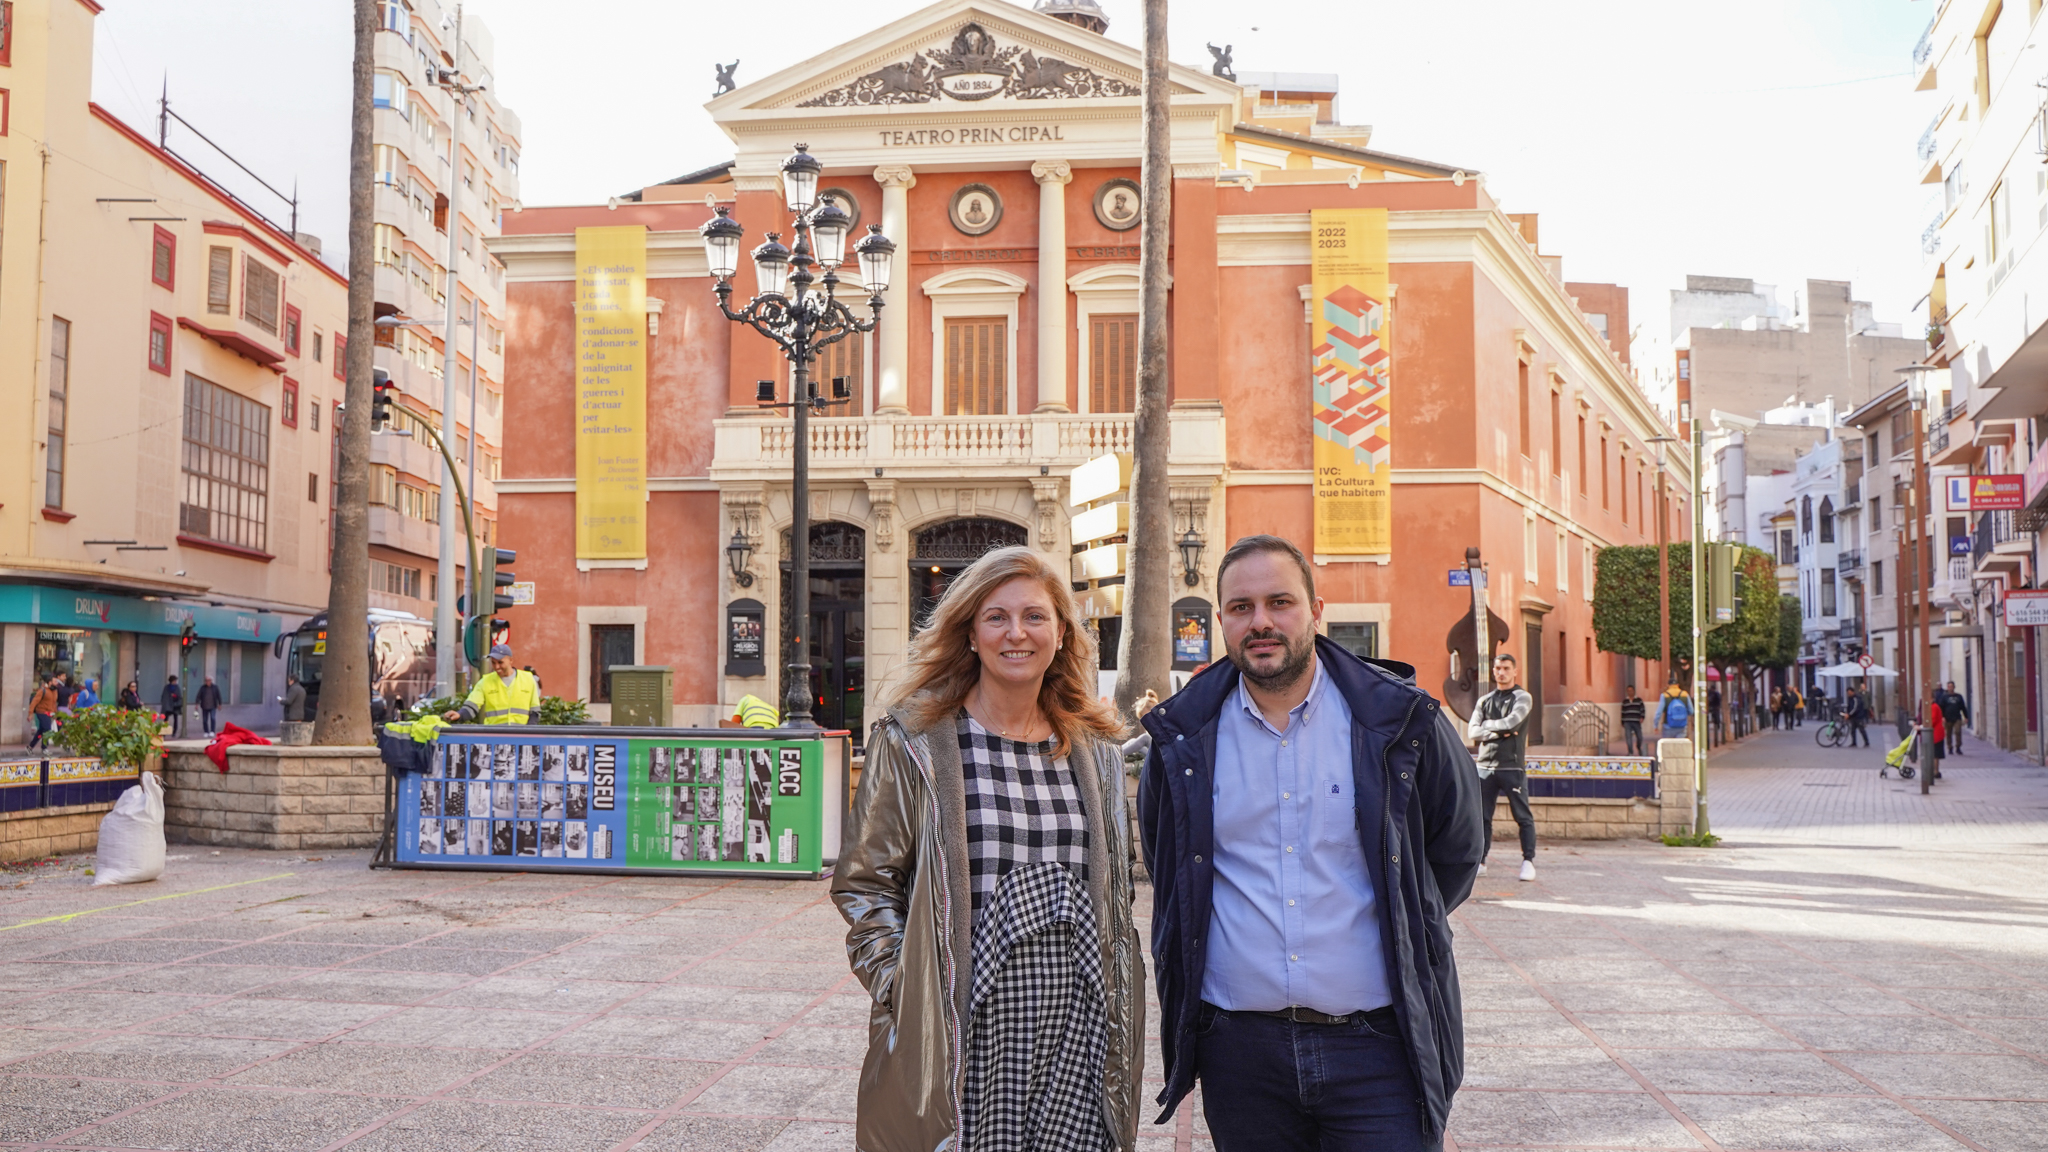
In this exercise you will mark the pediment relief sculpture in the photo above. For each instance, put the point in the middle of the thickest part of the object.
(973, 67)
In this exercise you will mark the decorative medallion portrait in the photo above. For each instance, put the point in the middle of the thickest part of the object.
(1118, 204)
(976, 208)
(847, 204)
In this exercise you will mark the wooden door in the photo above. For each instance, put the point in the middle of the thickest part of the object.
(1113, 363)
(977, 366)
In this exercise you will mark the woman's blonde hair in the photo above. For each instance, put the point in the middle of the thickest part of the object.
(944, 668)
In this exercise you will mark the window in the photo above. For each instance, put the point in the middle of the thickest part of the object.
(388, 167)
(260, 288)
(419, 503)
(7, 32)
(163, 259)
(1998, 232)
(976, 361)
(1564, 649)
(1582, 455)
(610, 645)
(384, 485)
(1827, 520)
(288, 413)
(1586, 575)
(291, 330)
(1529, 550)
(1113, 367)
(1642, 507)
(226, 466)
(159, 343)
(1599, 322)
(318, 341)
(1624, 488)
(1806, 517)
(60, 388)
(1361, 639)
(390, 245)
(313, 414)
(1902, 432)
(220, 268)
(340, 357)
(1556, 432)
(395, 579)
(1876, 515)
(1603, 472)
(1785, 553)
(1877, 577)
(312, 478)
(1827, 591)
(1523, 383)
(846, 358)
(387, 90)
(1564, 562)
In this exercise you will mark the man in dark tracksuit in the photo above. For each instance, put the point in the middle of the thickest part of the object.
(1955, 713)
(1499, 726)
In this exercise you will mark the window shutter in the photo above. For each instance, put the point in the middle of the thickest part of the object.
(955, 333)
(220, 264)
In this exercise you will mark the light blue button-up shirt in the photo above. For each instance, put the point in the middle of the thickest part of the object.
(1295, 920)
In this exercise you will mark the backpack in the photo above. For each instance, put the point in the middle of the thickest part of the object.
(1676, 712)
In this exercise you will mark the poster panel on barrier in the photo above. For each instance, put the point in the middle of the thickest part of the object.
(542, 800)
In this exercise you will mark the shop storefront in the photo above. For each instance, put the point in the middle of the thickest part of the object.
(47, 630)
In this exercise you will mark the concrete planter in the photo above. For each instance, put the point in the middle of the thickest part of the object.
(275, 796)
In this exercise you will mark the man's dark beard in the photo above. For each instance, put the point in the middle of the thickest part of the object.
(1291, 669)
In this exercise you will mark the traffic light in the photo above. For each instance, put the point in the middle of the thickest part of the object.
(188, 639)
(482, 628)
(383, 392)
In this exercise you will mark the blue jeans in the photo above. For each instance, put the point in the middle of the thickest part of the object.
(1270, 1085)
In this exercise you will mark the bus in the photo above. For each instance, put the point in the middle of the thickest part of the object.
(401, 657)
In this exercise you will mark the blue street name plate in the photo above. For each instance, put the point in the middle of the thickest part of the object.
(1461, 577)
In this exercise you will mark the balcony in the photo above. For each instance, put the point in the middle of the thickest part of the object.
(1925, 149)
(1849, 630)
(1852, 496)
(952, 446)
(1930, 236)
(1923, 50)
(1997, 545)
(1848, 560)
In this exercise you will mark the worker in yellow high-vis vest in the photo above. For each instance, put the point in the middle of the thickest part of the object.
(754, 712)
(506, 695)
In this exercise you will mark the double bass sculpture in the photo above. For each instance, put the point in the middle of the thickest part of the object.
(1471, 642)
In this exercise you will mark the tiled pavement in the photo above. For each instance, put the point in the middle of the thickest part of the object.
(1860, 969)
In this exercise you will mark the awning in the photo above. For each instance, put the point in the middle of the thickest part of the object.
(237, 343)
(1855, 671)
(76, 608)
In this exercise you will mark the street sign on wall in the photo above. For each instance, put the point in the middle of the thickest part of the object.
(2026, 609)
(1986, 493)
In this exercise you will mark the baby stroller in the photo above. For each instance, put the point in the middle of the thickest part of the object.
(1903, 758)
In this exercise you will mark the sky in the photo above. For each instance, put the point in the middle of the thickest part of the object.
(1769, 139)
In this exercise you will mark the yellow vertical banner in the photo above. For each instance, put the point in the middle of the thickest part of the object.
(1351, 354)
(611, 393)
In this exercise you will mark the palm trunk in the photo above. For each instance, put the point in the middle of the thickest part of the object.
(344, 716)
(1145, 655)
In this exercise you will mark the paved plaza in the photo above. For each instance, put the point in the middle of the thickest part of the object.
(1858, 968)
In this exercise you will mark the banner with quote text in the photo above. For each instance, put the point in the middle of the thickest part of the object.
(611, 393)
(1350, 361)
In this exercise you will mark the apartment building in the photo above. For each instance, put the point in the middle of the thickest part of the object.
(168, 363)
(1980, 159)
(425, 192)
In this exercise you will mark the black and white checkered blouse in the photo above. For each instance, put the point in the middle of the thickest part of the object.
(1022, 808)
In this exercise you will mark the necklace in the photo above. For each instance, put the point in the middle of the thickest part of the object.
(980, 709)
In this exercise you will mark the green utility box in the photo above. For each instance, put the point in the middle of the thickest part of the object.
(642, 695)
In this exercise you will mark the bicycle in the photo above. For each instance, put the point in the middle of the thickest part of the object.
(1831, 733)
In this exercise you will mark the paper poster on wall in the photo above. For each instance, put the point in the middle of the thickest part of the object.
(611, 393)
(1351, 364)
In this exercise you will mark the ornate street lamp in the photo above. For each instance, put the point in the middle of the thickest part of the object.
(737, 552)
(801, 321)
(1191, 543)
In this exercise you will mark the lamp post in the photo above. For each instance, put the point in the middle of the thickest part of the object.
(801, 321)
(1923, 565)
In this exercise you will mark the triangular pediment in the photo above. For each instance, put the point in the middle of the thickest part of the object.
(960, 55)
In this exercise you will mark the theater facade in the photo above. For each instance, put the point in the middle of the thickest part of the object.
(998, 147)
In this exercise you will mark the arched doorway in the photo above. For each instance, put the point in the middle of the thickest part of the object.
(941, 551)
(838, 625)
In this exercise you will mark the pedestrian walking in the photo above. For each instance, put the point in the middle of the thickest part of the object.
(171, 705)
(42, 708)
(1309, 819)
(64, 693)
(1633, 711)
(1498, 731)
(1857, 712)
(1795, 707)
(1955, 713)
(294, 701)
(208, 699)
(1777, 707)
(131, 697)
(1674, 712)
(1938, 727)
(1717, 731)
(987, 884)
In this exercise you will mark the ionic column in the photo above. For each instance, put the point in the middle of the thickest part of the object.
(892, 395)
(1053, 177)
